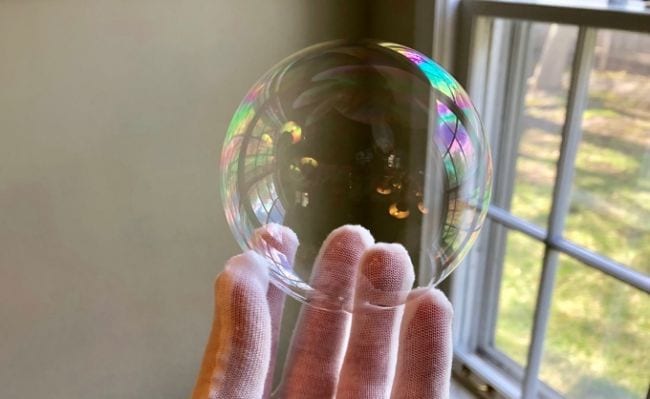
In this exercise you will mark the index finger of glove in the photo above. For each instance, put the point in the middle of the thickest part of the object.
(320, 337)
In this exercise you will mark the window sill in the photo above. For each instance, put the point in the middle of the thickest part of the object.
(458, 391)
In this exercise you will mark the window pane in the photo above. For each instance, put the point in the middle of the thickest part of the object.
(521, 271)
(610, 209)
(598, 338)
(551, 52)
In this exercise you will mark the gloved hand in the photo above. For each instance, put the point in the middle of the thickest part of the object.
(378, 351)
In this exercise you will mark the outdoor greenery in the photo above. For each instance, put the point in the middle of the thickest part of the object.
(598, 341)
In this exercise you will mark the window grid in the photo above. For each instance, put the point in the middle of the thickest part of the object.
(476, 353)
(571, 136)
(589, 258)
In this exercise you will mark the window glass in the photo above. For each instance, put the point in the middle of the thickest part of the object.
(597, 341)
(551, 57)
(598, 338)
(610, 203)
(521, 272)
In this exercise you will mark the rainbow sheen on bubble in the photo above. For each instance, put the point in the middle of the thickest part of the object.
(368, 133)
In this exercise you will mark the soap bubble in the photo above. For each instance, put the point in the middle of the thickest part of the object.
(368, 133)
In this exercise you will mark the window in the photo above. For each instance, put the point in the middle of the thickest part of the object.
(554, 300)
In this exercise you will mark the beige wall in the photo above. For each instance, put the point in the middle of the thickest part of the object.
(112, 115)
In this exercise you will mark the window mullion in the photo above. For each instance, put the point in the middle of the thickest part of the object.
(479, 50)
(445, 22)
(571, 136)
(620, 272)
(594, 260)
(508, 143)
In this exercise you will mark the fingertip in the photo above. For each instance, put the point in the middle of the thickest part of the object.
(336, 266)
(351, 232)
(345, 240)
(386, 275)
(429, 304)
(245, 267)
(279, 238)
(388, 267)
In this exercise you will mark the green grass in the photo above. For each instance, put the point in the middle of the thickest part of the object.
(598, 340)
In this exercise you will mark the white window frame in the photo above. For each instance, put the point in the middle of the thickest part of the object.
(474, 288)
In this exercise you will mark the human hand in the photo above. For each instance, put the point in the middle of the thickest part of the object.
(378, 351)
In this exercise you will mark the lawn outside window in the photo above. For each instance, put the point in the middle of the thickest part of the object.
(554, 301)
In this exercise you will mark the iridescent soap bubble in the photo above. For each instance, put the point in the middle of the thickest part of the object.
(368, 133)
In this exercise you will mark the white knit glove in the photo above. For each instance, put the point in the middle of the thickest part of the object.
(379, 351)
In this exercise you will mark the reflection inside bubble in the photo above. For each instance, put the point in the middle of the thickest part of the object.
(368, 133)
